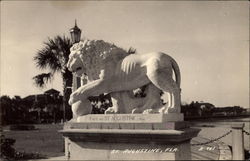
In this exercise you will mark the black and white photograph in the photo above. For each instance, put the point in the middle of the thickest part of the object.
(124, 80)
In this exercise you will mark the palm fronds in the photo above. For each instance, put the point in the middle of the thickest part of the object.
(53, 56)
(42, 79)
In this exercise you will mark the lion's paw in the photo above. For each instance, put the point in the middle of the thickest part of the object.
(110, 110)
(150, 111)
(167, 110)
(136, 110)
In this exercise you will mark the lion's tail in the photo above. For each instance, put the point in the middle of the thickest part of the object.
(177, 72)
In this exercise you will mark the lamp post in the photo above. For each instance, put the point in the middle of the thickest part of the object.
(75, 34)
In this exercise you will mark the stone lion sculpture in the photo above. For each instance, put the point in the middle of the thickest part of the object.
(110, 69)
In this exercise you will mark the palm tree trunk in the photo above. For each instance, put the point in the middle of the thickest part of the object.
(67, 83)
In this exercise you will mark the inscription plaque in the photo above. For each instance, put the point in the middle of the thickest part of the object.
(130, 118)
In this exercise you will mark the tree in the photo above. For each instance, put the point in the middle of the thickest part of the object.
(54, 57)
(13, 110)
(6, 109)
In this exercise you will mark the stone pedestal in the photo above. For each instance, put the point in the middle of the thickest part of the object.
(129, 137)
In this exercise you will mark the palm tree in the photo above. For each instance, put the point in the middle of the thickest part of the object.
(54, 56)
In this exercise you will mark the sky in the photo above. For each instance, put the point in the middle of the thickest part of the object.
(208, 39)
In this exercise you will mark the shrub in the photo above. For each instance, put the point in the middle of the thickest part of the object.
(7, 151)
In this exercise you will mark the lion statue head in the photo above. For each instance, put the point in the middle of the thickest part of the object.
(88, 57)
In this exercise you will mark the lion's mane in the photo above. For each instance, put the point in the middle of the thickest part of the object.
(95, 53)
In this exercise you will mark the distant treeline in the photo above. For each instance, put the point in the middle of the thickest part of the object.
(195, 109)
(50, 109)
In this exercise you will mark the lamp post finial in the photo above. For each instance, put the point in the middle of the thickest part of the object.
(75, 23)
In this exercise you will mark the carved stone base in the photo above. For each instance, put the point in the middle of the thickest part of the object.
(154, 138)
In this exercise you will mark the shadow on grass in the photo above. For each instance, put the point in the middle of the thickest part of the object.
(19, 127)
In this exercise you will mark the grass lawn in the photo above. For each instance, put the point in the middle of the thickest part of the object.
(45, 140)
